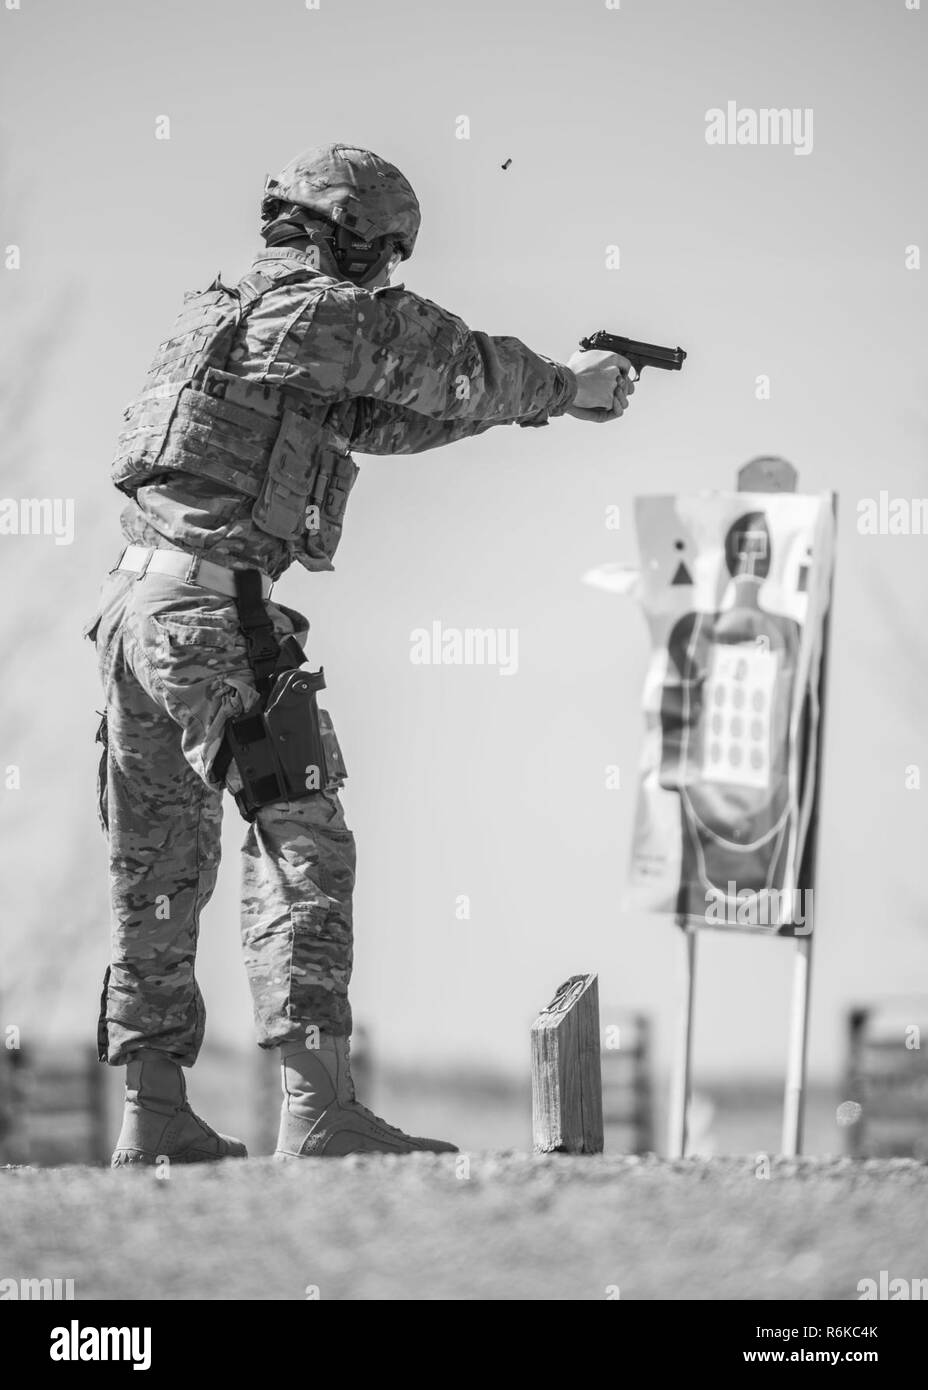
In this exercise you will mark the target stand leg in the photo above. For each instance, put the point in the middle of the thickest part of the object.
(683, 1063)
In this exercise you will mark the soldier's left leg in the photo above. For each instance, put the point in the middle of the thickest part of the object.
(170, 662)
(164, 843)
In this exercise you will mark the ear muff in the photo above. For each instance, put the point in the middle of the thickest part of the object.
(359, 260)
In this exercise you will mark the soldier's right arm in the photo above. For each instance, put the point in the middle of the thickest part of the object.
(377, 427)
(393, 346)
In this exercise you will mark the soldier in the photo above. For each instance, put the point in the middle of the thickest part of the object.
(235, 458)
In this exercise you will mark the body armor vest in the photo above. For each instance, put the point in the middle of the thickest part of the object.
(267, 442)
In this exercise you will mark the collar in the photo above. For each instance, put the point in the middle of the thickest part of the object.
(275, 261)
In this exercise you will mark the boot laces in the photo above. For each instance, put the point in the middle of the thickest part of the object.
(363, 1109)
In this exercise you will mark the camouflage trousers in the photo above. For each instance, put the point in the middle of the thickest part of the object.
(174, 669)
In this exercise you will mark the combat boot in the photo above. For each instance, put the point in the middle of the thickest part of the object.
(320, 1116)
(159, 1123)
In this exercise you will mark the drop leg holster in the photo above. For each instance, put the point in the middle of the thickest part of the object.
(277, 746)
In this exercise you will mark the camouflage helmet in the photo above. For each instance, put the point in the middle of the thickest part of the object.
(353, 188)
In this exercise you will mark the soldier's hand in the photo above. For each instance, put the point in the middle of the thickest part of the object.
(604, 385)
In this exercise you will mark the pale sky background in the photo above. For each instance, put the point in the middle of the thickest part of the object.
(755, 260)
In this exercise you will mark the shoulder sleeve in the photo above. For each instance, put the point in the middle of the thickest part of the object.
(396, 347)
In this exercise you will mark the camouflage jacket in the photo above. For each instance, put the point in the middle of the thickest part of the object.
(239, 445)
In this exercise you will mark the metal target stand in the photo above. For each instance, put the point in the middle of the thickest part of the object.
(761, 475)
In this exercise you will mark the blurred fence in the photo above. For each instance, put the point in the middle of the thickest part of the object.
(54, 1106)
(628, 1088)
(59, 1105)
(886, 1110)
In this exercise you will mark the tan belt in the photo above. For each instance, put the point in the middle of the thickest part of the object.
(143, 559)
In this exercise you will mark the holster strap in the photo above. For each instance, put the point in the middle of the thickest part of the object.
(257, 627)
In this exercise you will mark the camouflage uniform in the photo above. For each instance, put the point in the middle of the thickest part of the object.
(237, 452)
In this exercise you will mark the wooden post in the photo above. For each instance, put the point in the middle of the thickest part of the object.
(567, 1098)
(682, 1081)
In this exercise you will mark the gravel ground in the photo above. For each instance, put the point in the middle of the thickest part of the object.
(479, 1226)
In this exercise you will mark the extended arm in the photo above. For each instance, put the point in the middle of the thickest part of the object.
(394, 347)
(377, 427)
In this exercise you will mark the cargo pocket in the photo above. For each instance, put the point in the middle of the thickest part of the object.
(319, 964)
(102, 781)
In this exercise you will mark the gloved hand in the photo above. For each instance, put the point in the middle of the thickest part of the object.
(604, 385)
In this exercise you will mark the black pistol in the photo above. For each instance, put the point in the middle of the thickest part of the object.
(640, 355)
